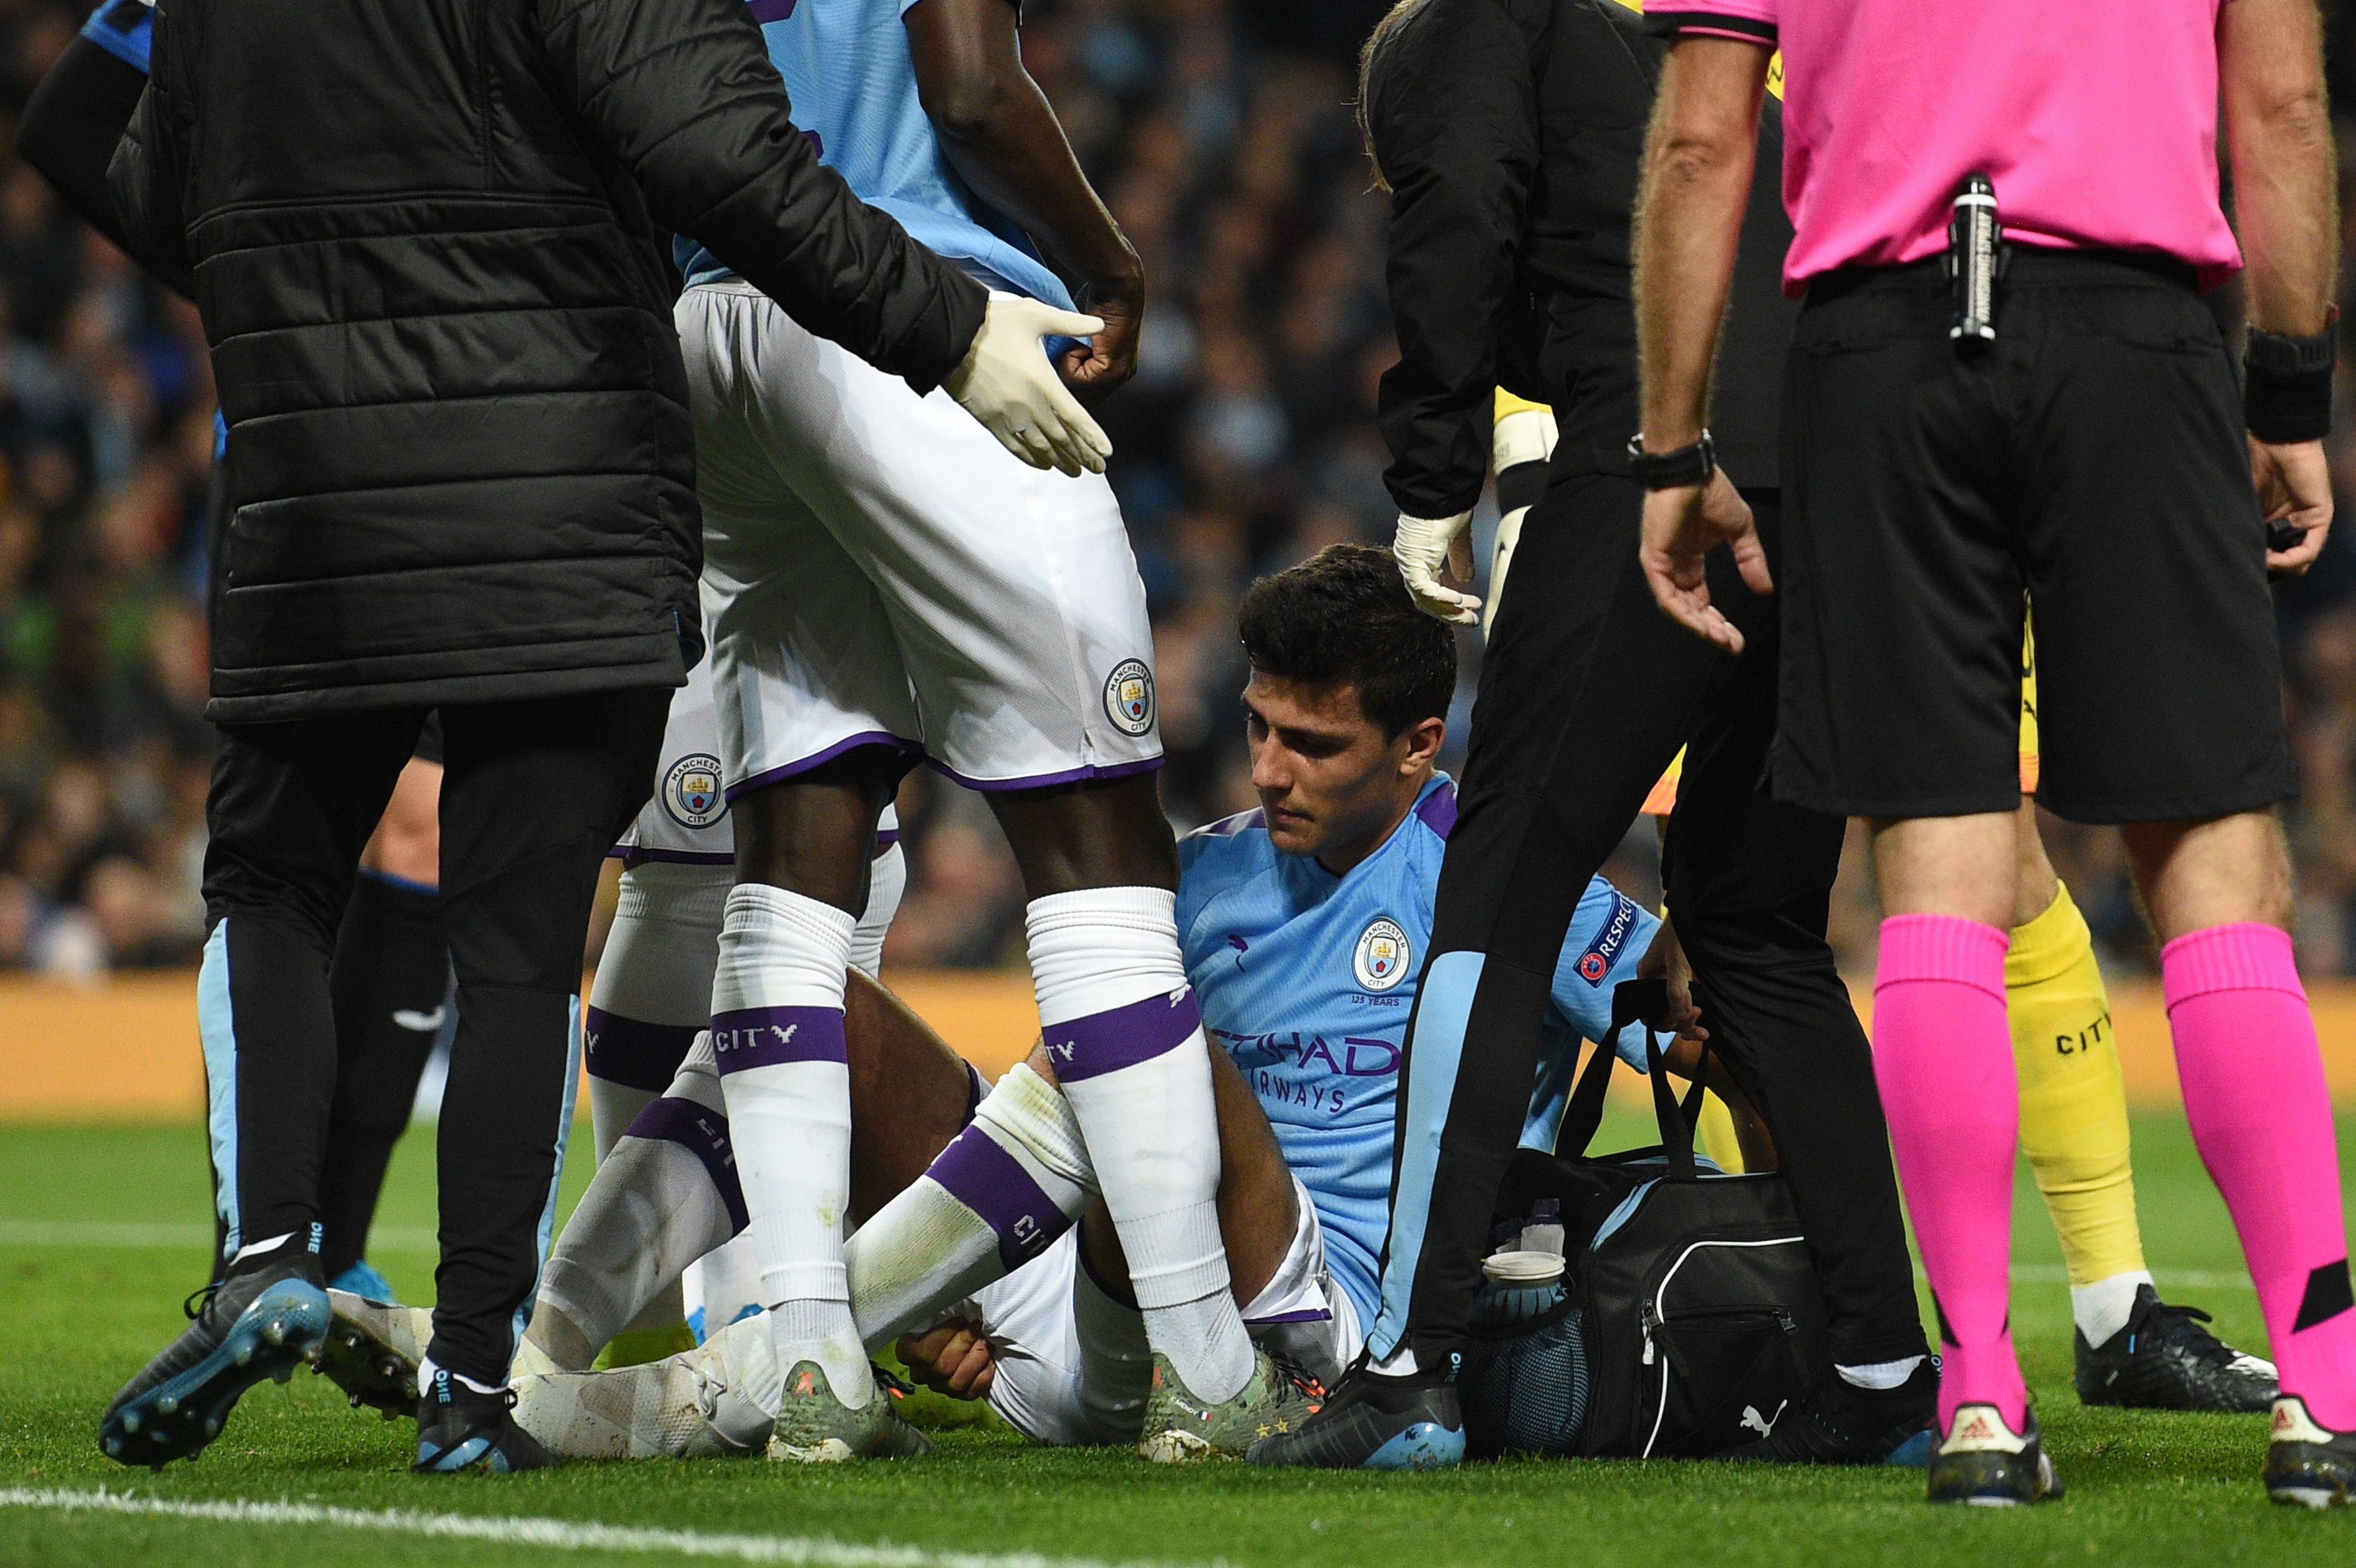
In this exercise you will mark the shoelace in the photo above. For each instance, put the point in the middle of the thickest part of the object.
(198, 1299)
(1299, 1376)
(2179, 1324)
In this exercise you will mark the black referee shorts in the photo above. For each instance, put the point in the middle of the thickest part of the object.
(2090, 462)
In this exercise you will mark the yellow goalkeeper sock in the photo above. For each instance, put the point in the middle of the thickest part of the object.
(1718, 1139)
(2073, 1111)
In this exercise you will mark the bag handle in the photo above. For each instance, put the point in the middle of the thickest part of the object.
(1631, 1002)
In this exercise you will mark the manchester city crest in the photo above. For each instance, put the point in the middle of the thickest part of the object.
(690, 791)
(1129, 697)
(1381, 956)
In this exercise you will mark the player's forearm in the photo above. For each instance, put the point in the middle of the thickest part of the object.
(1006, 142)
(2278, 131)
(1695, 183)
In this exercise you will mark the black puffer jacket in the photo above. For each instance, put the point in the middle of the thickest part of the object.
(460, 461)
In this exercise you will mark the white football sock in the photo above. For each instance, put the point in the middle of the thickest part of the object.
(1005, 1187)
(653, 986)
(1127, 1045)
(778, 1032)
(887, 881)
(2103, 1308)
(666, 1194)
(652, 994)
(1116, 1365)
(723, 1285)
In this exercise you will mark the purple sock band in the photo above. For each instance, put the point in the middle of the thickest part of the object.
(769, 1036)
(703, 1134)
(632, 1052)
(1107, 1041)
(993, 1184)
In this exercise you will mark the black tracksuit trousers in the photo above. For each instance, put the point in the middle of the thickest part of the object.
(1587, 692)
(534, 795)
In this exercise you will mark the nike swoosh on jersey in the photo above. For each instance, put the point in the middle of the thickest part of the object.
(422, 1023)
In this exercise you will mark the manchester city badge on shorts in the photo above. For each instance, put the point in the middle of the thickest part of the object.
(690, 791)
(1381, 956)
(1129, 697)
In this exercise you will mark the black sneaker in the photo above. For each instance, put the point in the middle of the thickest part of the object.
(260, 1322)
(1372, 1423)
(1839, 1423)
(463, 1428)
(2308, 1463)
(1983, 1462)
(2163, 1359)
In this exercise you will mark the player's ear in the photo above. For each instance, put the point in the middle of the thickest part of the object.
(1424, 738)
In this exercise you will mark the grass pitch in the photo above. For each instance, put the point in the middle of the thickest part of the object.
(102, 1232)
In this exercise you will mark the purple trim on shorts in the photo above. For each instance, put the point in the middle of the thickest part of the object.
(671, 857)
(1046, 780)
(769, 1037)
(632, 1052)
(773, 10)
(885, 837)
(992, 1183)
(912, 752)
(1306, 1314)
(1098, 1043)
(1438, 810)
(704, 1134)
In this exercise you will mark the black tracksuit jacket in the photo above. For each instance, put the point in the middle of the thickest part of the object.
(422, 236)
(1510, 238)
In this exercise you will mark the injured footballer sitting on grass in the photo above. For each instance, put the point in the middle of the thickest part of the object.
(1303, 923)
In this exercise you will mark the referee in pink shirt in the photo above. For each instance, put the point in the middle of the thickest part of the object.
(2050, 419)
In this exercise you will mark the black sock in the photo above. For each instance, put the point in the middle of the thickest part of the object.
(390, 982)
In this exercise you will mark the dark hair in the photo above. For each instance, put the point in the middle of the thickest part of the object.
(1392, 21)
(1343, 617)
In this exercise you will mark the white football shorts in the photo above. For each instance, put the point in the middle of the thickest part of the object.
(877, 570)
(1072, 1367)
(686, 822)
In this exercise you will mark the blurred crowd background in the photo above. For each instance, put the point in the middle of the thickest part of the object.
(1220, 133)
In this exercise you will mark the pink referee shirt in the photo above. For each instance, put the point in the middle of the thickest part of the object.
(2096, 123)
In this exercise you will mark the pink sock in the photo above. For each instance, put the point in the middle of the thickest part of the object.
(2261, 1116)
(1942, 1055)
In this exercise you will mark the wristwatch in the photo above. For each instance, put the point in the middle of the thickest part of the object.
(1667, 470)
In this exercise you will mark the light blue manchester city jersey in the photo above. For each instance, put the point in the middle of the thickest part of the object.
(1308, 980)
(853, 82)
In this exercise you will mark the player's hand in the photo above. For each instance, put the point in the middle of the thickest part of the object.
(1009, 384)
(2295, 487)
(1095, 369)
(953, 1359)
(1682, 524)
(1666, 961)
(1423, 546)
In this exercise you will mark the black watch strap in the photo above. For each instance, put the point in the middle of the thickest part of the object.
(2286, 384)
(1666, 470)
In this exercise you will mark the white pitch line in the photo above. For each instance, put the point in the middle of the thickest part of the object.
(556, 1534)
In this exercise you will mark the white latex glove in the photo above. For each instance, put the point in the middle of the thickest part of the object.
(1421, 546)
(1521, 435)
(1007, 382)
